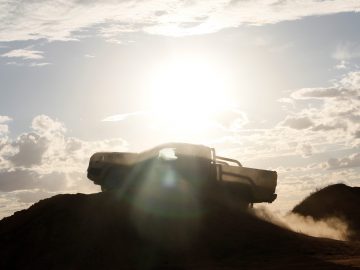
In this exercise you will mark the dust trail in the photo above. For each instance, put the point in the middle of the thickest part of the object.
(333, 228)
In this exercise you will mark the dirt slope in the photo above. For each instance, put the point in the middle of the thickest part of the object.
(113, 231)
(337, 200)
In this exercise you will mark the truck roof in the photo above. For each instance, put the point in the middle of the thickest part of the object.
(130, 158)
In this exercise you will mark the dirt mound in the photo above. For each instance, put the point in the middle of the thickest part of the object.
(114, 231)
(337, 200)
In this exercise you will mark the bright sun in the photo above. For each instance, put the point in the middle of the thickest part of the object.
(186, 95)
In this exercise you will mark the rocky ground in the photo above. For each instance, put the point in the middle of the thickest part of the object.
(111, 230)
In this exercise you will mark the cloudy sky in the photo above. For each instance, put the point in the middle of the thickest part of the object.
(273, 83)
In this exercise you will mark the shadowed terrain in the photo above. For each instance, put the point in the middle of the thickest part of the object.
(112, 231)
(337, 200)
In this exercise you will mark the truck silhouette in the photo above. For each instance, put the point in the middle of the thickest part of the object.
(178, 164)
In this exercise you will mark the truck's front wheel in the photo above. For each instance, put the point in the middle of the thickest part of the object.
(113, 179)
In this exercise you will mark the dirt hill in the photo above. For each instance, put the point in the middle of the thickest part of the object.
(337, 200)
(115, 231)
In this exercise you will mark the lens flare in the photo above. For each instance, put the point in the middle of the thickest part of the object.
(166, 209)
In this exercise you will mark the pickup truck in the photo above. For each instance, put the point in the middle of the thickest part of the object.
(180, 165)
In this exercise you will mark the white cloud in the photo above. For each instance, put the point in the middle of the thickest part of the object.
(41, 64)
(4, 128)
(346, 51)
(342, 65)
(337, 116)
(60, 20)
(321, 121)
(124, 116)
(231, 120)
(89, 56)
(28, 64)
(297, 122)
(24, 54)
(322, 93)
(30, 149)
(305, 149)
(44, 125)
(46, 161)
(4, 119)
(346, 162)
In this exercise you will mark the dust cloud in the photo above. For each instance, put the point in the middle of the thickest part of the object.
(333, 228)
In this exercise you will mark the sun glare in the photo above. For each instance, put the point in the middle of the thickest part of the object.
(186, 94)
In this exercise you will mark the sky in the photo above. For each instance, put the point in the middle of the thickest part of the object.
(272, 83)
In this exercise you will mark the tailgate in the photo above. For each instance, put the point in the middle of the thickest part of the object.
(262, 183)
